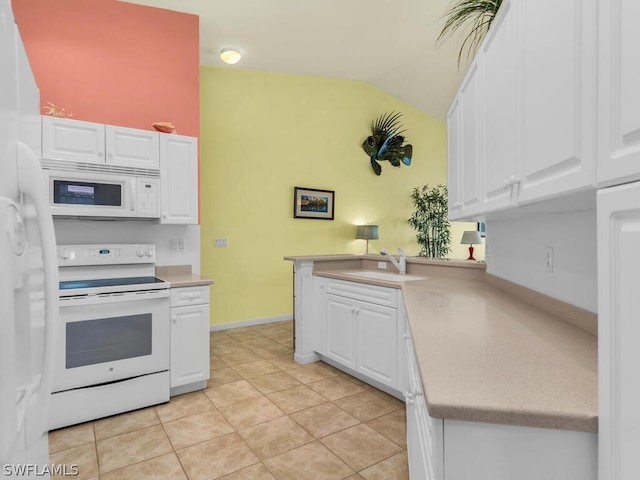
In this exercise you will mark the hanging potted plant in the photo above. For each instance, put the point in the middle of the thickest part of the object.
(431, 220)
(479, 14)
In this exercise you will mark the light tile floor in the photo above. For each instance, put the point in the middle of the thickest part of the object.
(263, 417)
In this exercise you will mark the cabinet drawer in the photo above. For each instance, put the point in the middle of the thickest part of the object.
(189, 296)
(362, 291)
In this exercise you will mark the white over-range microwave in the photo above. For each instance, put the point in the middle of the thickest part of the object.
(99, 194)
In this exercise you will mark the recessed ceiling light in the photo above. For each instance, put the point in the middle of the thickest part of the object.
(230, 55)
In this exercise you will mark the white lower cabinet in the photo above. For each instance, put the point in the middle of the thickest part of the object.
(341, 330)
(359, 329)
(425, 435)
(189, 339)
(619, 331)
(458, 450)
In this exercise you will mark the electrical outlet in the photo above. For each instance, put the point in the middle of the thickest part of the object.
(382, 265)
(549, 259)
(177, 245)
(221, 243)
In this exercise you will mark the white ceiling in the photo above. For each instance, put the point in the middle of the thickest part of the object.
(387, 43)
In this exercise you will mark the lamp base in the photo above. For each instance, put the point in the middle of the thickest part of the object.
(471, 253)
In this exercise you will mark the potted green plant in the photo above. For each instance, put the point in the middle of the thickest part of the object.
(431, 220)
(478, 13)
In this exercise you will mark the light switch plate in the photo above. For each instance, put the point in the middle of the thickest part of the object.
(382, 265)
(221, 243)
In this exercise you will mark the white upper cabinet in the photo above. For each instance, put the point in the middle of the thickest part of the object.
(470, 144)
(131, 147)
(72, 140)
(464, 148)
(537, 101)
(455, 159)
(558, 104)
(499, 114)
(179, 176)
(619, 92)
(87, 142)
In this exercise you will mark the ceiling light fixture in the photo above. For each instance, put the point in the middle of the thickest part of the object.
(230, 55)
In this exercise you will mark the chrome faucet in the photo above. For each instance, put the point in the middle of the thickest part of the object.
(400, 265)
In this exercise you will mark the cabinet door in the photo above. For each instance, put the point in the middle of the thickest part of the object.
(72, 140)
(454, 159)
(619, 331)
(470, 143)
(425, 435)
(179, 175)
(619, 92)
(499, 110)
(130, 147)
(340, 328)
(558, 78)
(377, 343)
(189, 344)
(318, 324)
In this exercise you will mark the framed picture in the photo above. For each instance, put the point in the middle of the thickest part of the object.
(312, 203)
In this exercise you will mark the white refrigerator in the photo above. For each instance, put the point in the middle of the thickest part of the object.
(28, 269)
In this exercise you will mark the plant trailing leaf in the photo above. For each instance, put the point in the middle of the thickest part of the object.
(480, 15)
(431, 220)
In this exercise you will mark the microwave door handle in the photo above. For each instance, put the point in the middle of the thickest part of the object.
(132, 196)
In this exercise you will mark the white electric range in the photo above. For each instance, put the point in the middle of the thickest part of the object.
(114, 333)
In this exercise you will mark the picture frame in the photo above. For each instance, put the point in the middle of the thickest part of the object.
(313, 203)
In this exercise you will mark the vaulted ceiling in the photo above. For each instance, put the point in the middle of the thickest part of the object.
(387, 43)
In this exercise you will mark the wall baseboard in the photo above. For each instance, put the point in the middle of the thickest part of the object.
(249, 323)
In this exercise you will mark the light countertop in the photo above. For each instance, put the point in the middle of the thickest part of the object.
(485, 355)
(181, 276)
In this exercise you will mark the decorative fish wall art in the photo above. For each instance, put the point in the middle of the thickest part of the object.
(385, 142)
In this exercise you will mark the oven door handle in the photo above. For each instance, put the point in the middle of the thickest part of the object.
(30, 181)
(114, 298)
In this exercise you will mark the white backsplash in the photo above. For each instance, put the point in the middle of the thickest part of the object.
(70, 231)
(517, 252)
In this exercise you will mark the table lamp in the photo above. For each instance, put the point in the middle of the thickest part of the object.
(471, 237)
(367, 232)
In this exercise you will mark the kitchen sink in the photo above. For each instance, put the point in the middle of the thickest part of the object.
(394, 277)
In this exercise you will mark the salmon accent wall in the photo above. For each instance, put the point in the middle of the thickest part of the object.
(112, 62)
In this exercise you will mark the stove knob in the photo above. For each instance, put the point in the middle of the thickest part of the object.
(64, 255)
(140, 252)
(149, 252)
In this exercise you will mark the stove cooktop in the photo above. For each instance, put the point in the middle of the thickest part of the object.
(107, 282)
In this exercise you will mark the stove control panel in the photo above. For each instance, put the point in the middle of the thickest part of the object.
(100, 254)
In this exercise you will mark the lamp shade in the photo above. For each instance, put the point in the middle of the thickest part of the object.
(367, 232)
(471, 237)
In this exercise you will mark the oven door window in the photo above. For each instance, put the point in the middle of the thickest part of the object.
(101, 340)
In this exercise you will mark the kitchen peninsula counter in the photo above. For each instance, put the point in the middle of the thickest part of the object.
(486, 349)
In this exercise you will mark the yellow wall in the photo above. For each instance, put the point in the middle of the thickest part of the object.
(262, 134)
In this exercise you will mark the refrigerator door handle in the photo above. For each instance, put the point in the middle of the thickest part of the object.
(30, 181)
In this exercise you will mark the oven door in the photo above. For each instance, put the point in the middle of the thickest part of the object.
(106, 338)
